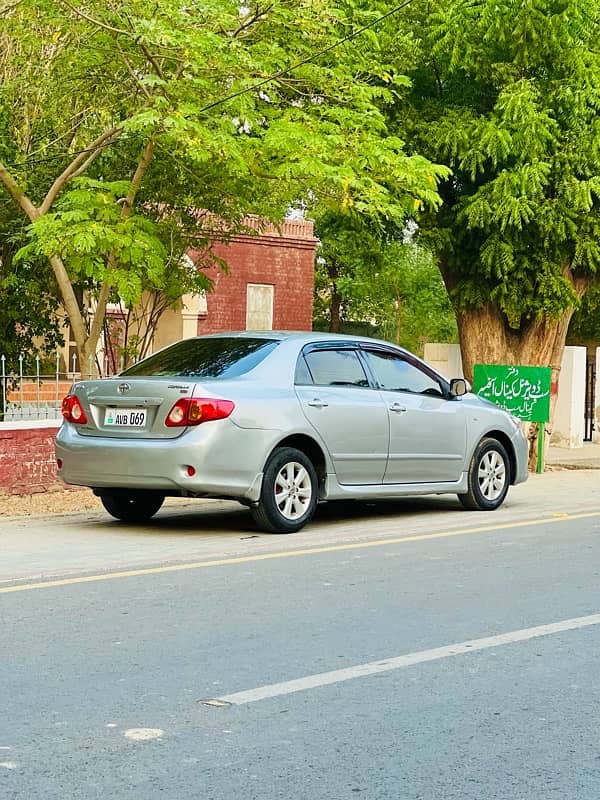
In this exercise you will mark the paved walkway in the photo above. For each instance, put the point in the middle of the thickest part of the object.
(586, 457)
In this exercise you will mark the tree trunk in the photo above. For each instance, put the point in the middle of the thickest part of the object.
(335, 316)
(336, 299)
(398, 318)
(486, 338)
(85, 340)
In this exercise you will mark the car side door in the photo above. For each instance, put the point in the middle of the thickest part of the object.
(427, 426)
(346, 410)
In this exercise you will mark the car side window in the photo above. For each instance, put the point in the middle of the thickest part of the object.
(336, 368)
(394, 374)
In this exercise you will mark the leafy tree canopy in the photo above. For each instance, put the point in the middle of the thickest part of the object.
(585, 324)
(29, 325)
(382, 285)
(121, 120)
(507, 94)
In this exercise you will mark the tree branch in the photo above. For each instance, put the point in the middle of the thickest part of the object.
(257, 16)
(97, 22)
(75, 167)
(151, 59)
(144, 49)
(100, 310)
(132, 73)
(76, 122)
(10, 7)
(69, 299)
(90, 159)
(136, 181)
(126, 210)
(17, 194)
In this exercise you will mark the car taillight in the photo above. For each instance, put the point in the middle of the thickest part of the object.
(72, 410)
(194, 410)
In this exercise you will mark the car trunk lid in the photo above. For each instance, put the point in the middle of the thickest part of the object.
(131, 408)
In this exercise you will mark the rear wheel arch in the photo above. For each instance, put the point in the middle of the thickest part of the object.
(289, 491)
(311, 448)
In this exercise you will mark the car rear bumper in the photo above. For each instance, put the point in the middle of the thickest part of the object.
(227, 460)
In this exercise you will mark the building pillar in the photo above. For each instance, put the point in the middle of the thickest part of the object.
(193, 306)
(569, 418)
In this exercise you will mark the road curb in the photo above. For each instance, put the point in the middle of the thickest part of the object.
(572, 466)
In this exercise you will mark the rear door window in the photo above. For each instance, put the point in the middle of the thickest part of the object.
(219, 357)
(336, 368)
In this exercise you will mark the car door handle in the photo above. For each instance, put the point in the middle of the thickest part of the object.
(317, 403)
(397, 408)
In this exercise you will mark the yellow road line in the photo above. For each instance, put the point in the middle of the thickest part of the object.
(134, 573)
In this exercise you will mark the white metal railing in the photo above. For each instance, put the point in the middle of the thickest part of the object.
(37, 395)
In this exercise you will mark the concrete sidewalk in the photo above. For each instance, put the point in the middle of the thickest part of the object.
(586, 457)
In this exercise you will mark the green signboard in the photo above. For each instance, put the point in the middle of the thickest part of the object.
(524, 391)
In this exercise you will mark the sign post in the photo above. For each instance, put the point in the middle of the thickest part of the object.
(523, 391)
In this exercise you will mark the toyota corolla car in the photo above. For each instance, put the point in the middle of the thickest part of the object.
(279, 421)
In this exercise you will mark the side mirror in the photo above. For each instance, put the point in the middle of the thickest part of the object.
(458, 387)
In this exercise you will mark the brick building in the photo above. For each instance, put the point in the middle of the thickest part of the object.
(268, 286)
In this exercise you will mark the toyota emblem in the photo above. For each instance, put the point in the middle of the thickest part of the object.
(123, 388)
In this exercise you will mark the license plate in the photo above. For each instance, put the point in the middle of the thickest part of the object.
(125, 417)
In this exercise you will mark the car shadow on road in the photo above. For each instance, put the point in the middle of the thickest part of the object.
(216, 519)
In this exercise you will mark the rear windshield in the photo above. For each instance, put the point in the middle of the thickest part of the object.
(206, 358)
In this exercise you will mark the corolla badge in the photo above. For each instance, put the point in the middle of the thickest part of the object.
(123, 388)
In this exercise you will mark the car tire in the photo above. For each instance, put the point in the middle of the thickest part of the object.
(132, 506)
(488, 478)
(288, 496)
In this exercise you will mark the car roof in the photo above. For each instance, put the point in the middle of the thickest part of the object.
(306, 337)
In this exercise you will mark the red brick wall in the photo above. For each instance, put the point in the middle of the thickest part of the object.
(286, 262)
(27, 462)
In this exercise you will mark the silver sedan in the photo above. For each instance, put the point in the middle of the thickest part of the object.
(279, 421)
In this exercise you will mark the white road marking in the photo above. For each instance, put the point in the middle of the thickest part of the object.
(143, 734)
(408, 660)
(8, 764)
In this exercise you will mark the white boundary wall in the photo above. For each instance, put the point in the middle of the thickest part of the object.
(445, 358)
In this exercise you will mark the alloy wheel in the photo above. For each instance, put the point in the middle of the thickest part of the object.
(293, 490)
(491, 475)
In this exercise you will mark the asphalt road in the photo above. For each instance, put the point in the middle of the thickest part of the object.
(403, 651)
